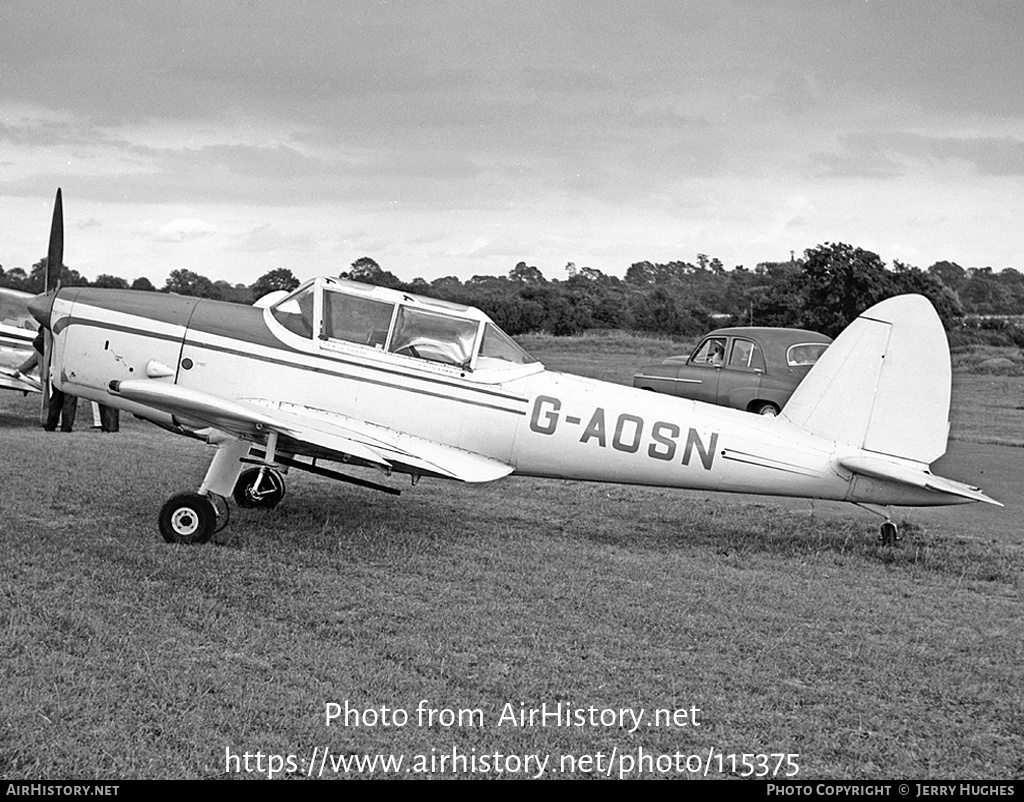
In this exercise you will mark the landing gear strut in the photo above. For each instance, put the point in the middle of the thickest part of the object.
(196, 517)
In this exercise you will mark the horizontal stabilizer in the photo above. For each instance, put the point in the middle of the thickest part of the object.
(914, 475)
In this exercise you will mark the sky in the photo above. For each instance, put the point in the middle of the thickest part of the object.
(442, 137)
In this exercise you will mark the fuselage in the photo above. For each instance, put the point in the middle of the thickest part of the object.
(540, 422)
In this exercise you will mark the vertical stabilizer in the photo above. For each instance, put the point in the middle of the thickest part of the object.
(883, 385)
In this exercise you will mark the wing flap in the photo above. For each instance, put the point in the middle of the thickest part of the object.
(323, 427)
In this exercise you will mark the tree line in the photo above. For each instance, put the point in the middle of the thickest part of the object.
(823, 290)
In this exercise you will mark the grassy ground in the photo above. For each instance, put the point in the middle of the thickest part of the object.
(988, 409)
(788, 627)
(612, 356)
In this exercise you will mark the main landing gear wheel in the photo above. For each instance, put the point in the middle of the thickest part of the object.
(188, 518)
(889, 534)
(261, 488)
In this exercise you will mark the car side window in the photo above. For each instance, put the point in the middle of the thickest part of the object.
(710, 353)
(805, 354)
(746, 355)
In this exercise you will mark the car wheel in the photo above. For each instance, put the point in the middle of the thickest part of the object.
(768, 410)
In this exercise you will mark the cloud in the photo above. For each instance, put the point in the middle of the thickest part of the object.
(183, 229)
(990, 156)
(795, 93)
(855, 163)
(36, 133)
(891, 154)
(566, 80)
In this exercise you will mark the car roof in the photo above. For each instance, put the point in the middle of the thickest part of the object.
(772, 333)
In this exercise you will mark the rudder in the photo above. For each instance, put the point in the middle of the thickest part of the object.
(883, 385)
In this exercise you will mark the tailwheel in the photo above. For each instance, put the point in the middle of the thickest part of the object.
(259, 488)
(188, 518)
(889, 534)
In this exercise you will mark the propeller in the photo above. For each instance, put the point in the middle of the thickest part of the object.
(51, 283)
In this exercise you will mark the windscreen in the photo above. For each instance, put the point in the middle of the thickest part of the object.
(295, 312)
(498, 350)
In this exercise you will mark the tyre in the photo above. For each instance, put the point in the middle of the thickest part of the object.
(768, 409)
(253, 491)
(188, 518)
(888, 533)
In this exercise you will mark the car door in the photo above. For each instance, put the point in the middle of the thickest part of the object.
(739, 379)
(701, 372)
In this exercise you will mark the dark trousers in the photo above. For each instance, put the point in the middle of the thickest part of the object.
(63, 407)
(110, 418)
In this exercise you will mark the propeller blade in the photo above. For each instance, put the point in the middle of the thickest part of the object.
(55, 253)
(44, 378)
(54, 263)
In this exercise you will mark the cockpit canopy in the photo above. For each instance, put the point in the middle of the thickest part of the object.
(344, 313)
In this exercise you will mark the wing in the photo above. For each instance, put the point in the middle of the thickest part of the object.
(313, 432)
(11, 380)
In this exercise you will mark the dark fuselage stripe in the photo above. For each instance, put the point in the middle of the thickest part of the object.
(67, 322)
(339, 361)
(378, 382)
(77, 321)
(247, 324)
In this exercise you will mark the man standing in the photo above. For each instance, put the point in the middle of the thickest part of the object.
(62, 406)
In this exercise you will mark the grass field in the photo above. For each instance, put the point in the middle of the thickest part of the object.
(787, 626)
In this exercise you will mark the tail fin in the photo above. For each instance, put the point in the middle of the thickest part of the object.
(883, 385)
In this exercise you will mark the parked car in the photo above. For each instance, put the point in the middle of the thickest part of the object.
(751, 368)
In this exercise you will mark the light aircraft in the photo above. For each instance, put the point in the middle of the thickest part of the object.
(362, 376)
(17, 330)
